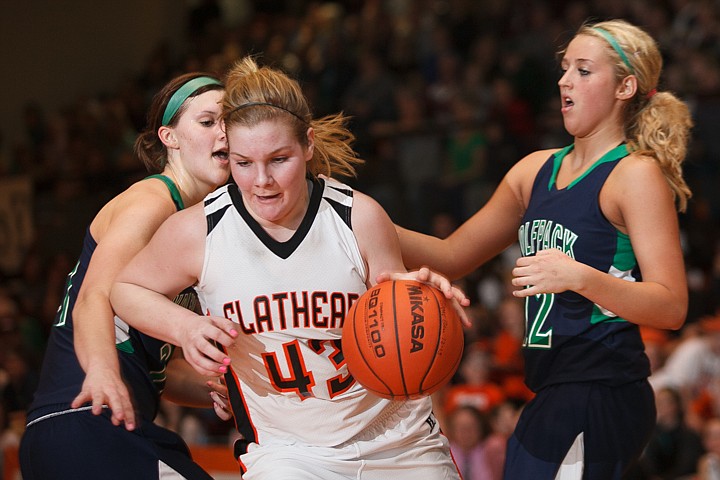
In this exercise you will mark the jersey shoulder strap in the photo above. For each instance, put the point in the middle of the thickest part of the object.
(174, 192)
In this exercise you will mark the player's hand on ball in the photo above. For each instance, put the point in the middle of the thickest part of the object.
(200, 342)
(434, 279)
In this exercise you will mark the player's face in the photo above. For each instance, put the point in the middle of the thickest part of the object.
(587, 86)
(201, 140)
(269, 165)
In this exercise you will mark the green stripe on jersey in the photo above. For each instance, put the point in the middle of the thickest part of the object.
(624, 262)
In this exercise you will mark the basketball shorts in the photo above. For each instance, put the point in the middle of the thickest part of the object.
(83, 446)
(581, 431)
(401, 451)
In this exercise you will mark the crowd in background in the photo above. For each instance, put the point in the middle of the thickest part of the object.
(444, 97)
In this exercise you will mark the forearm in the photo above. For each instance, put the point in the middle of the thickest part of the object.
(185, 386)
(150, 312)
(94, 333)
(420, 250)
(644, 303)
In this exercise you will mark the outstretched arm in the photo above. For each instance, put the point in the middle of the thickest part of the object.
(121, 229)
(484, 235)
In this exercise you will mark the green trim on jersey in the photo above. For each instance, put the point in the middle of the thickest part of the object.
(623, 264)
(174, 192)
(125, 346)
(62, 317)
(618, 152)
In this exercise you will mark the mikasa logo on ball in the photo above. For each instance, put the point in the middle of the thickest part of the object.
(418, 317)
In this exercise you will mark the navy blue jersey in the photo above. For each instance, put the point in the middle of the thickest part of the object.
(142, 358)
(569, 338)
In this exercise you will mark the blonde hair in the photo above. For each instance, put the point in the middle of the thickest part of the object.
(657, 124)
(256, 94)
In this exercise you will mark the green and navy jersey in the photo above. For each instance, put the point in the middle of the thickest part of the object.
(143, 359)
(568, 338)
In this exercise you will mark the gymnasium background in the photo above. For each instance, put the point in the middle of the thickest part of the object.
(418, 77)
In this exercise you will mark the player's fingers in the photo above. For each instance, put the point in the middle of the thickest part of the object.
(425, 274)
(219, 399)
(225, 331)
(382, 277)
(220, 405)
(122, 409)
(460, 296)
(525, 292)
(222, 413)
(461, 313)
(211, 352)
(220, 388)
(98, 400)
(204, 365)
(82, 398)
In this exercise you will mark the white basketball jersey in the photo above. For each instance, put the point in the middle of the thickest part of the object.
(288, 380)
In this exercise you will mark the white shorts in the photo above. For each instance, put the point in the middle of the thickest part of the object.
(401, 452)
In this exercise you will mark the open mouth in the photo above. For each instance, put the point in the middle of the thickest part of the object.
(220, 155)
(567, 102)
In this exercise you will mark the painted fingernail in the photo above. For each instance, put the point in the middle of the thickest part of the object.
(226, 361)
(222, 369)
(234, 332)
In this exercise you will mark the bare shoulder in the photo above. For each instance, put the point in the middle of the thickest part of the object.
(638, 173)
(366, 210)
(627, 191)
(635, 163)
(522, 175)
(187, 222)
(530, 164)
(142, 206)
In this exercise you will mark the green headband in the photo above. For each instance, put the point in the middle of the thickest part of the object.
(182, 94)
(616, 46)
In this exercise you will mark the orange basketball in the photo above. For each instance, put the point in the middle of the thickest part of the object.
(402, 339)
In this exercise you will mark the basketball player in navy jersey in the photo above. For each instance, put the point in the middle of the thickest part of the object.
(98, 373)
(283, 252)
(589, 219)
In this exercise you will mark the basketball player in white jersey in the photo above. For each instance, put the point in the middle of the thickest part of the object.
(277, 258)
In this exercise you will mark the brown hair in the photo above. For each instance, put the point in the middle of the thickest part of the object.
(657, 124)
(148, 146)
(256, 94)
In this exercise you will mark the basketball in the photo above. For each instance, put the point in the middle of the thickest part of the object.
(402, 339)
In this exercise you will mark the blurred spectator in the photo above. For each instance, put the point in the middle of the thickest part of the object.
(694, 364)
(475, 387)
(463, 186)
(369, 98)
(674, 448)
(506, 349)
(503, 419)
(657, 346)
(709, 463)
(416, 149)
(467, 429)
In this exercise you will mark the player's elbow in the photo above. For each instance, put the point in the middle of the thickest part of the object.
(674, 315)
